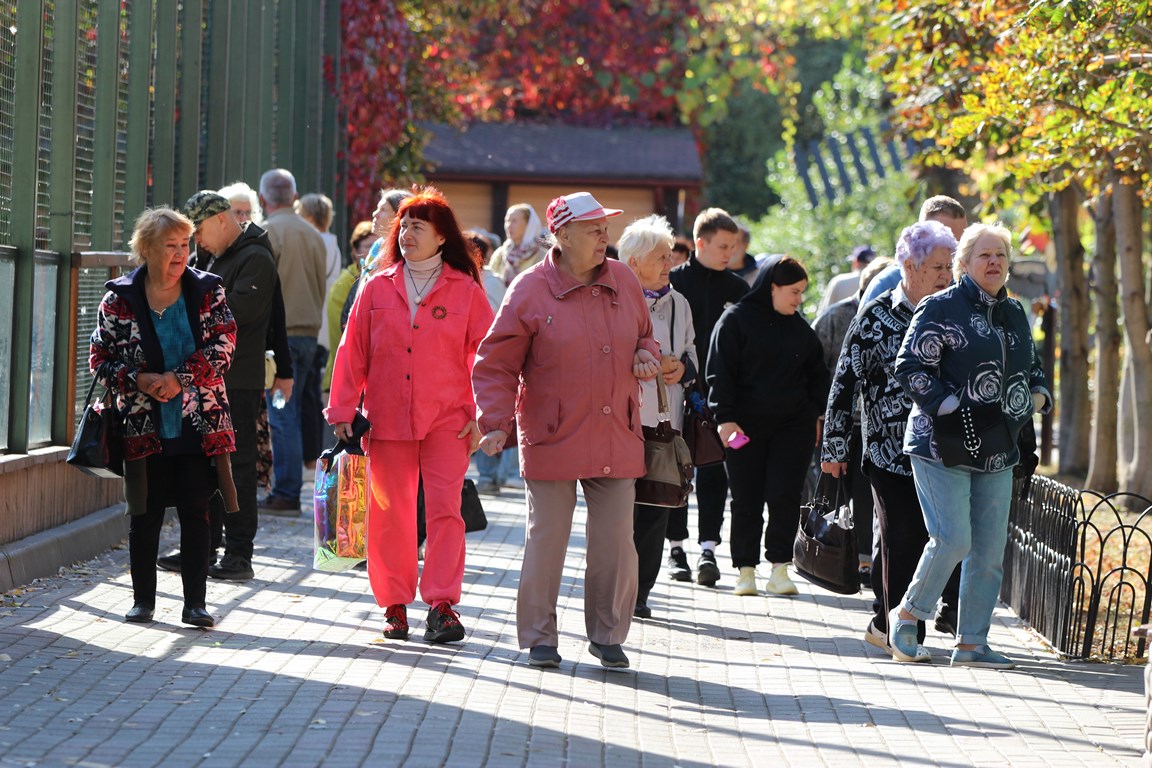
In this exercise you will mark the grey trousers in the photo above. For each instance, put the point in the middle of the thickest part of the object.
(610, 573)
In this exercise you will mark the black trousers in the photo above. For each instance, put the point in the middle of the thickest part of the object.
(711, 494)
(237, 531)
(649, 525)
(313, 429)
(861, 491)
(186, 482)
(770, 470)
(902, 539)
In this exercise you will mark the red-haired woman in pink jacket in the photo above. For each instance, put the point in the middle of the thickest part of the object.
(408, 351)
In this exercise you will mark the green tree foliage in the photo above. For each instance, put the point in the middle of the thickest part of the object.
(739, 149)
(1053, 91)
(874, 213)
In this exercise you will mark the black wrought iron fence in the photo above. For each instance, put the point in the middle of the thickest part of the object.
(1078, 566)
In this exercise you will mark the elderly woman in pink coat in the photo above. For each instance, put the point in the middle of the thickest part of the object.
(564, 359)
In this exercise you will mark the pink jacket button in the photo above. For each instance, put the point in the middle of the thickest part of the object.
(606, 349)
(607, 409)
(607, 470)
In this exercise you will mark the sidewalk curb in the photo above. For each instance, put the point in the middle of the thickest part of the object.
(44, 553)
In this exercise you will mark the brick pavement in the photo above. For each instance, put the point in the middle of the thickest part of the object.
(296, 674)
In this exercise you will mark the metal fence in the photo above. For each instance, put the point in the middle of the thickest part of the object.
(126, 104)
(1078, 567)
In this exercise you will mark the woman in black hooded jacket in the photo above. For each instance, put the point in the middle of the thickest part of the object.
(768, 383)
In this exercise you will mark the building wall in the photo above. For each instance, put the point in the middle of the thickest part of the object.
(472, 201)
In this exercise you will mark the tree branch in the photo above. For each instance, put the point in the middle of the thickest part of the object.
(1139, 132)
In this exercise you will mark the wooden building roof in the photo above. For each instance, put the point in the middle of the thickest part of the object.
(547, 153)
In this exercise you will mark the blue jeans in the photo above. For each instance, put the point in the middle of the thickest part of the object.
(287, 440)
(497, 468)
(966, 514)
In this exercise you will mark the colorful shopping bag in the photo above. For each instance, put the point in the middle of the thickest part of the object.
(341, 508)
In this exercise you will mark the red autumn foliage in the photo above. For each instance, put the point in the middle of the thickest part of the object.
(591, 62)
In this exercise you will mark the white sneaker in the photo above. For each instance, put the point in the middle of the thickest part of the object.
(746, 584)
(779, 583)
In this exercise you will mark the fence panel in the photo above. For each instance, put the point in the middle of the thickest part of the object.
(1078, 568)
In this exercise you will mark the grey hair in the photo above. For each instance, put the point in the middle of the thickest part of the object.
(642, 236)
(394, 197)
(317, 209)
(239, 189)
(278, 187)
(968, 244)
(919, 240)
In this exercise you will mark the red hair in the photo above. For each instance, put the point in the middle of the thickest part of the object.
(429, 204)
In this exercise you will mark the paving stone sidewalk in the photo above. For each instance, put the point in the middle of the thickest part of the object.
(297, 674)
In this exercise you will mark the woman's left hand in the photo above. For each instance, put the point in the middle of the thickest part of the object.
(164, 387)
(472, 432)
(672, 369)
(644, 365)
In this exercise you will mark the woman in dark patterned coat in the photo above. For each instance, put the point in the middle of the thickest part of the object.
(163, 340)
(865, 369)
(968, 352)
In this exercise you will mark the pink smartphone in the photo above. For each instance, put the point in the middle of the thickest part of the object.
(738, 440)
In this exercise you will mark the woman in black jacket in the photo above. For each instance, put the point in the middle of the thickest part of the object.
(769, 384)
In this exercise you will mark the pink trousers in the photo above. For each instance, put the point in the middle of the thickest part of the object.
(395, 468)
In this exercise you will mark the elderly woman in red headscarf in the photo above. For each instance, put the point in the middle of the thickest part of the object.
(408, 350)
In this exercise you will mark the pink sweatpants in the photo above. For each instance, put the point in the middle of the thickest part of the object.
(395, 467)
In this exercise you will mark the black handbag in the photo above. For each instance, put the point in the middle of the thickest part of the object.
(668, 479)
(824, 551)
(700, 432)
(700, 435)
(98, 447)
(969, 435)
(471, 509)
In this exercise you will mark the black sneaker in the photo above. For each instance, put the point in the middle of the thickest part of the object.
(707, 572)
(232, 568)
(172, 562)
(642, 611)
(610, 655)
(169, 562)
(678, 569)
(946, 622)
(396, 622)
(544, 656)
(443, 625)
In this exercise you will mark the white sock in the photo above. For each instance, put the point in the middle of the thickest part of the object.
(678, 544)
(708, 546)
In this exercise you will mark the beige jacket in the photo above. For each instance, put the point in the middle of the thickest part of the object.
(301, 260)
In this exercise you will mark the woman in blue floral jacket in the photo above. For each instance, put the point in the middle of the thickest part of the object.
(968, 352)
(163, 340)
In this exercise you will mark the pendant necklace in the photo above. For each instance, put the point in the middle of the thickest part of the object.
(421, 290)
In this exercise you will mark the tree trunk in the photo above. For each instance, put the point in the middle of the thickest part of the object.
(1073, 399)
(1102, 468)
(1136, 475)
